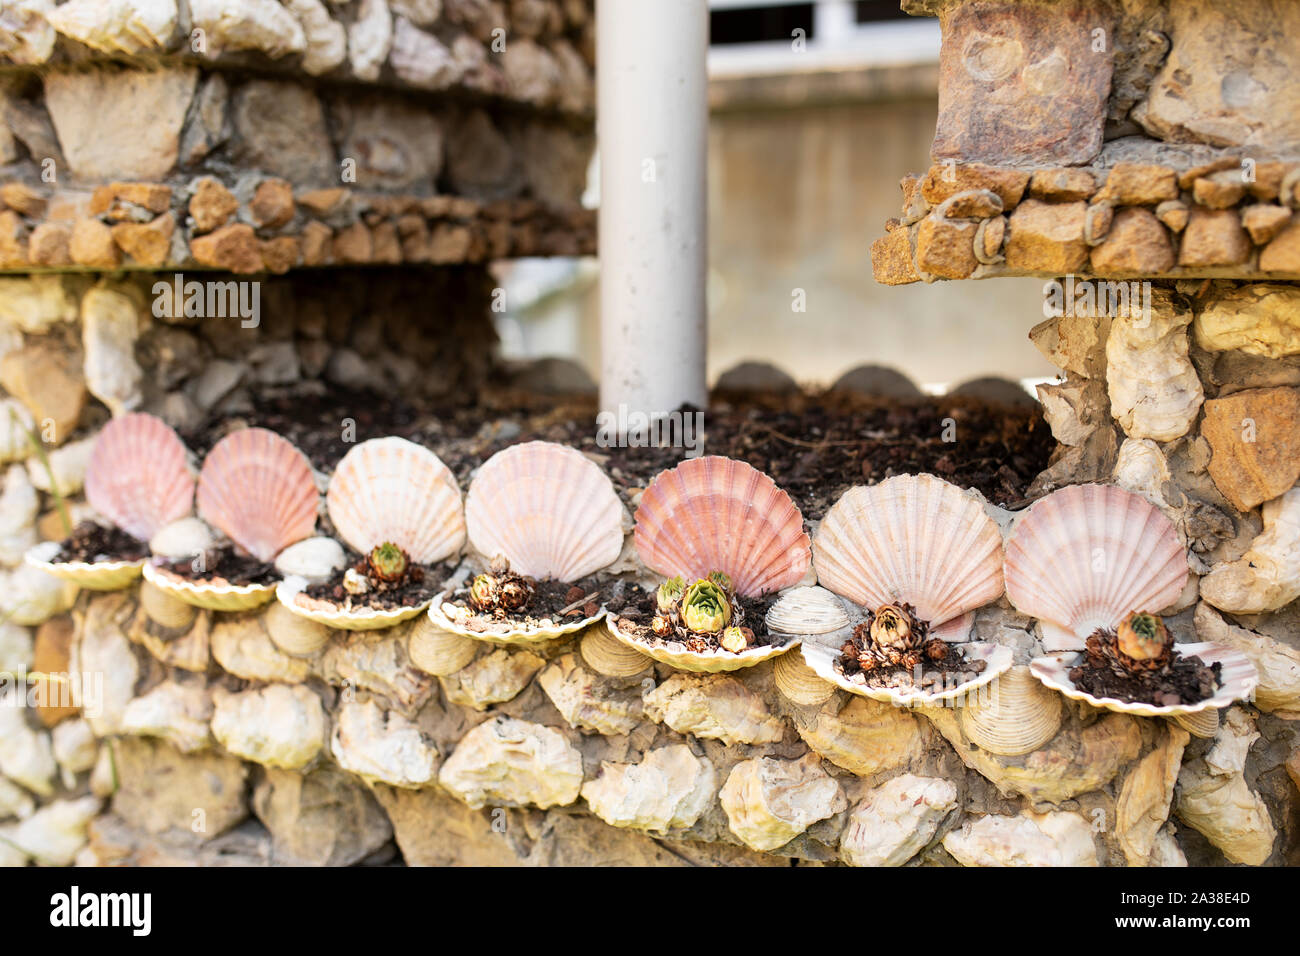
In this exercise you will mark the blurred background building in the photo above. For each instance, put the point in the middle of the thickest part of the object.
(817, 110)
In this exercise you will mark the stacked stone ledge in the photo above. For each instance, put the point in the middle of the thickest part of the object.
(175, 161)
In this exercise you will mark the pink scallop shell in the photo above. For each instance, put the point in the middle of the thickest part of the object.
(391, 489)
(1086, 556)
(258, 488)
(139, 476)
(914, 539)
(548, 509)
(717, 514)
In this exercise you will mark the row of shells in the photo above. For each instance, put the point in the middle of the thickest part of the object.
(1081, 558)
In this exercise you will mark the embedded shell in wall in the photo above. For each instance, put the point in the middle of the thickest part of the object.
(294, 634)
(438, 652)
(807, 610)
(609, 657)
(799, 683)
(1015, 716)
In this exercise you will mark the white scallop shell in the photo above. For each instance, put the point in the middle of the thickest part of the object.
(438, 652)
(915, 539)
(289, 593)
(294, 634)
(708, 662)
(393, 490)
(717, 514)
(1237, 678)
(548, 509)
(808, 610)
(96, 576)
(997, 661)
(1014, 715)
(450, 617)
(314, 559)
(1087, 556)
(209, 594)
(798, 682)
(609, 657)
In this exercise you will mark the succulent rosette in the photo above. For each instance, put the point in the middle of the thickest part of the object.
(705, 608)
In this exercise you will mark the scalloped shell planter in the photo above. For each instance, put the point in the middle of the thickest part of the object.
(289, 593)
(97, 576)
(439, 615)
(1237, 682)
(997, 661)
(210, 595)
(707, 662)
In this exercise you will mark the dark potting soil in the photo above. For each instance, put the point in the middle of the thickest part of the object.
(419, 585)
(1184, 680)
(225, 564)
(91, 542)
(815, 445)
(551, 601)
(636, 608)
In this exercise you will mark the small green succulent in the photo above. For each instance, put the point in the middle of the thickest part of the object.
(721, 580)
(388, 562)
(670, 594)
(705, 609)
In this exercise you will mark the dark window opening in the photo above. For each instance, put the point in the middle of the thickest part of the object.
(760, 24)
(872, 11)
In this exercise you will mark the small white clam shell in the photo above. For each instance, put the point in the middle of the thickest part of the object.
(609, 657)
(182, 539)
(1014, 715)
(208, 594)
(808, 610)
(164, 609)
(1204, 724)
(314, 559)
(1237, 681)
(798, 682)
(294, 634)
(438, 652)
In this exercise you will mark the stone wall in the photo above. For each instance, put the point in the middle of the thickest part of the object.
(112, 157)
(1127, 138)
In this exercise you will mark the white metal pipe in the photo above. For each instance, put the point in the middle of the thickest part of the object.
(652, 127)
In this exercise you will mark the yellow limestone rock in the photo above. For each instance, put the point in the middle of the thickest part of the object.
(864, 736)
(770, 801)
(1030, 839)
(893, 822)
(492, 679)
(1259, 318)
(669, 789)
(382, 746)
(1143, 804)
(275, 726)
(713, 707)
(177, 713)
(581, 700)
(512, 763)
(1277, 664)
(1214, 798)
